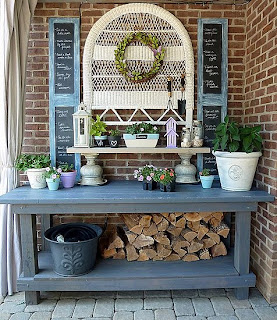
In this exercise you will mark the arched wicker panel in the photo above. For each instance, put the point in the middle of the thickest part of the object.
(105, 88)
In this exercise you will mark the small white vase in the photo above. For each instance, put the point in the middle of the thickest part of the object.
(37, 178)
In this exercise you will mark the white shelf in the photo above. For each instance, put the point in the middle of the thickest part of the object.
(138, 150)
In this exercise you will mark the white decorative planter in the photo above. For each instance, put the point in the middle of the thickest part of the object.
(147, 140)
(37, 178)
(236, 169)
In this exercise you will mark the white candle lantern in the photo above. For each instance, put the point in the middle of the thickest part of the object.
(81, 127)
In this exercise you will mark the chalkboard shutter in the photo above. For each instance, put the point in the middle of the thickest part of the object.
(64, 87)
(212, 90)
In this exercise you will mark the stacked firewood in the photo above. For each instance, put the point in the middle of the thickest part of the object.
(168, 236)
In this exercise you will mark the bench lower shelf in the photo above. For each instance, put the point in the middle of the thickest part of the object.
(118, 275)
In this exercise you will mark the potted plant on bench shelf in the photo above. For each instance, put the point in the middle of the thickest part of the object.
(114, 138)
(146, 175)
(166, 178)
(141, 135)
(97, 128)
(34, 165)
(52, 176)
(240, 149)
(206, 178)
(68, 175)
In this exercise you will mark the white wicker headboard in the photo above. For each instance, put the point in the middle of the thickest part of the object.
(105, 88)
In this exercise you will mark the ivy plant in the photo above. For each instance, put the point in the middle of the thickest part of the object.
(98, 127)
(32, 161)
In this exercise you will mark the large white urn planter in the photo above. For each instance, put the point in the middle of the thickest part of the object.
(236, 169)
(37, 178)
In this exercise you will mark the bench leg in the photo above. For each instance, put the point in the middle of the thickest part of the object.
(29, 252)
(31, 297)
(242, 249)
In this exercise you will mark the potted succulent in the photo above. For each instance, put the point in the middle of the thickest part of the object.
(97, 128)
(206, 178)
(68, 175)
(114, 138)
(166, 178)
(34, 165)
(146, 175)
(141, 135)
(240, 149)
(52, 176)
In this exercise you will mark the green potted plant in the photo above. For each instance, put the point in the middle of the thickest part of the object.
(206, 178)
(97, 129)
(142, 134)
(68, 175)
(237, 150)
(34, 165)
(114, 138)
(166, 178)
(146, 176)
(52, 176)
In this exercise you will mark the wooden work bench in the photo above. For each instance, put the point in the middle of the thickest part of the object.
(231, 271)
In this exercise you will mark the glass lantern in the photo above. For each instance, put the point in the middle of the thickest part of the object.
(81, 127)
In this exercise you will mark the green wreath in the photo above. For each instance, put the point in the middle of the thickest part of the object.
(148, 40)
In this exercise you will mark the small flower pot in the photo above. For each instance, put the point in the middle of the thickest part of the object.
(207, 181)
(149, 185)
(100, 141)
(167, 187)
(53, 184)
(37, 178)
(114, 141)
(68, 179)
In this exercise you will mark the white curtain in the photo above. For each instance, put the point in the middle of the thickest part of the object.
(14, 30)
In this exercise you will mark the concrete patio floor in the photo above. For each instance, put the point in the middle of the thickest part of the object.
(212, 304)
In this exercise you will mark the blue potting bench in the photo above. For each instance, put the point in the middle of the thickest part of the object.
(231, 271)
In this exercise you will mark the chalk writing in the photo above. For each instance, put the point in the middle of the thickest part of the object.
(64, 58)
(212, 58)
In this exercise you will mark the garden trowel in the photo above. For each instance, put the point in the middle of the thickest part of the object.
(182, 101)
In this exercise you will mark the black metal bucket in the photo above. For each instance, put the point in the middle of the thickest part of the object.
(77, 254)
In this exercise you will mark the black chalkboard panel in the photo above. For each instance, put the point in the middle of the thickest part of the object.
(211, 119)
(64, 58)
(64, 134)
(212, 58)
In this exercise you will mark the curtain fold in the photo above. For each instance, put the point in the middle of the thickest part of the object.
(15, 24)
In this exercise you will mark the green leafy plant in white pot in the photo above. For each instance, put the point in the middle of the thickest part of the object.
(141, 135)
(97, 129)
(237, 150)
(34, 165)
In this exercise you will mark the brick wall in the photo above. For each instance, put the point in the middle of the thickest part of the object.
(37, 106)
(252, 74)
(261, 108)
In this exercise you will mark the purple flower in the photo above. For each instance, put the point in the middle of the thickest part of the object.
(140, 178)
(54, 176)
(136, 172)
(59, 170)
(141, 129)
(47, 169)
(148, 178)
(152, 174)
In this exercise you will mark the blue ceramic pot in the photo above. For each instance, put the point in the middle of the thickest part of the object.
(207, 181)
(52, 184)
